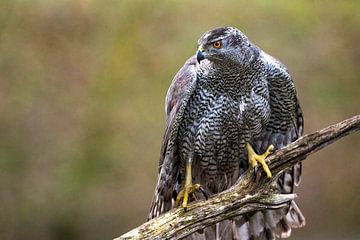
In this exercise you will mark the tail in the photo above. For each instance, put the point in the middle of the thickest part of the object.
(263, 225)
(268, 224)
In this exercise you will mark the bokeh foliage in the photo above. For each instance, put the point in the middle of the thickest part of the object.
(82, 85)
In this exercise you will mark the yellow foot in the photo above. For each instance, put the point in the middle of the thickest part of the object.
(254, 158)
(185, 192)
(188, 188)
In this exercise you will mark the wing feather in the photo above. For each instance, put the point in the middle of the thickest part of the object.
(285, 126)
(286, 119)
(177, 97)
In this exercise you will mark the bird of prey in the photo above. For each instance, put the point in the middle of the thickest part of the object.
(227, 108)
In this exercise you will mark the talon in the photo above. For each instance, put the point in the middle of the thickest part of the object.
(254, 159)
(188, 189)
(256, 168)
(203, 191)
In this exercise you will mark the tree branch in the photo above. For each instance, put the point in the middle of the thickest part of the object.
(246, 195)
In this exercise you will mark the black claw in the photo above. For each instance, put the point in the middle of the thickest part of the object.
(202, 190)
(256, 168)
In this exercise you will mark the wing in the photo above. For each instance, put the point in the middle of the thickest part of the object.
(177, 97)
(285, 126)
(286, 122)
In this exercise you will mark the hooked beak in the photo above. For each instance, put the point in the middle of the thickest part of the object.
(199, 55)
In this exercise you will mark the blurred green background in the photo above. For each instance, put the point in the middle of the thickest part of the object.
(82, 87)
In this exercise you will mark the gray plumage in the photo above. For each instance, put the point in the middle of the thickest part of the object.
(238, 94)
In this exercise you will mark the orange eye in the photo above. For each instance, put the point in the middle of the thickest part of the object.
(217, 44)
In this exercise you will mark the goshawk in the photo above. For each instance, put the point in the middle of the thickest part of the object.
(227, 108)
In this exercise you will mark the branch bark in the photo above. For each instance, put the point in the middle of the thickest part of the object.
(247, 195)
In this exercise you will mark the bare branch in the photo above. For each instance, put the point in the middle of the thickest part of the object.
(247, 195)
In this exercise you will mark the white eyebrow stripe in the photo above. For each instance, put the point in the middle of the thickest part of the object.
(217, 39)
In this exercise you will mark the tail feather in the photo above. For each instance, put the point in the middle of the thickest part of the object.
(224, 230)
(263, 225)
(240, 228)
(294, 216)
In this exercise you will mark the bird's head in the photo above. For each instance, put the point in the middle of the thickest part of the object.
(226, 44)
